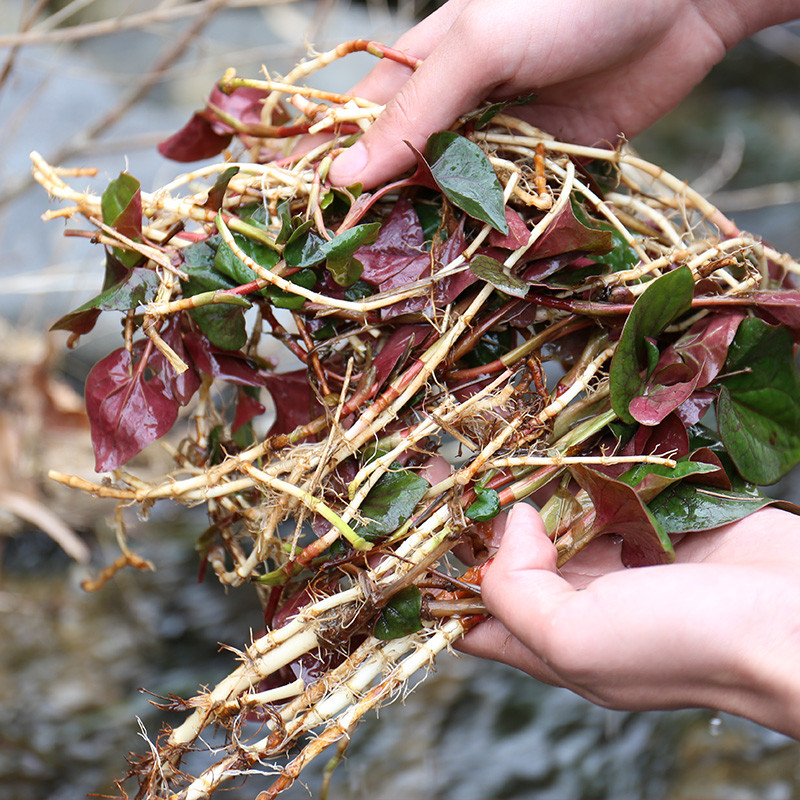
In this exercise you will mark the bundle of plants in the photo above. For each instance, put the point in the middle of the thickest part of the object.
(545, 319)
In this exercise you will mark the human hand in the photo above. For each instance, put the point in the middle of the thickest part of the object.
(600, 68)
(718, 629)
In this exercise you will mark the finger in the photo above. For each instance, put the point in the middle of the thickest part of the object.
(522, 587)
(450, 81)
(386, 78)
(493, 641)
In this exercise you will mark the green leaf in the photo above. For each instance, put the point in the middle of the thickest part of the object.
(312, 249)
(229, 264)
(463, 173)
(485, 507)
(358, 291)
(401, 615)
(133, 288)
(492, 271)
(664, 300)
(223, 325)
(689, 507)
(281, 299)
(487, 115)
(390, 502)
(621, 256)
(121, 207)
(216, 194)
(758, 411)
(651, 479)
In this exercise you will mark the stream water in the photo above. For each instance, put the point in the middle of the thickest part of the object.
(72, 664)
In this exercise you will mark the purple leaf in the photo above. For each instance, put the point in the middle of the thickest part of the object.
(183, 386)
(126, 410)
(399, 244)
(247, 407)
(227, 365)
(295, 403)
(195, 141)
(517, 236)
(567, 234)
(399, 345)
(690, 363)
(619, 510)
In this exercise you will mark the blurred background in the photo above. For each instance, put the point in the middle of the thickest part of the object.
(99, 83)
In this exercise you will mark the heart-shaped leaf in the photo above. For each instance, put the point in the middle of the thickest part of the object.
(401, 615)
(758, 411)
(463, 173)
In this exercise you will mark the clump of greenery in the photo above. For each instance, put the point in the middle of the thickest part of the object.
(556, 318)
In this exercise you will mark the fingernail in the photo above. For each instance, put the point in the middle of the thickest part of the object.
(347, 166)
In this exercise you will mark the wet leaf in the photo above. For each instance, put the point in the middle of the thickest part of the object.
(758, 411)
(492, 271)
(181, 386)
(231, 366)
(687, 507)
(338, 252)
(401, 615)
(399, 243)
(463, 173)
(568, 234)
(486, 505)
(127, 409)
(619, 255)
(390, 502)
(227, 263)
(665, 299)
(649, 480)
(281, 299)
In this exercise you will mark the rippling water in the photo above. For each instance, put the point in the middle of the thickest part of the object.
(71, 664)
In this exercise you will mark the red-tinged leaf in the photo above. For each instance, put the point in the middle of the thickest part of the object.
(127, 411)
(123, 290)
(195, 141)
(399, 243)
(669, 437)
(182, 386)
(121, 205)
(692, 410)
(566, 234)
(536, 271)
(295, 403)
(619, 510)
(690, 363)
(517, 236)
(243, 103)
(227, 365)
(398, 347)
(782, 307)
(247, 407)
(719, 477)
